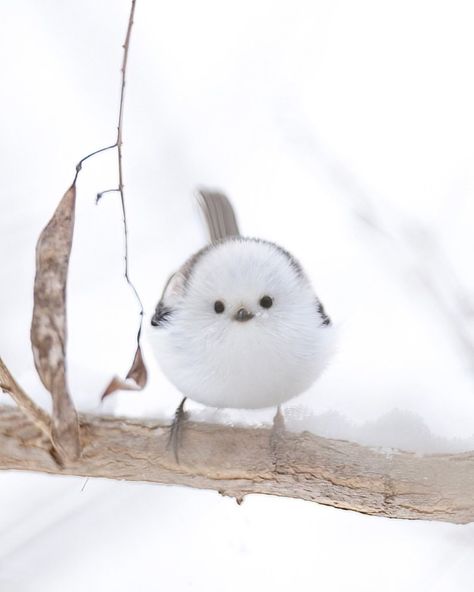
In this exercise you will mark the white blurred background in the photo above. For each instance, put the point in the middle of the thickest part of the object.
(343, 131)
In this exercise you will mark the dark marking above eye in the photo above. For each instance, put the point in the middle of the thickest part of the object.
(266, 301)
(219, 306)
(190, 265)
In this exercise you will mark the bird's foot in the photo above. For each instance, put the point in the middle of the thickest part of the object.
(277, 434)
(279, 422)
(174, 438)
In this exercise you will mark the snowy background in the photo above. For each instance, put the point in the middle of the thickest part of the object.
(343, 131)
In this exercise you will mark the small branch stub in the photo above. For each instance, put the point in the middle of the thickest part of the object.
(37, 415)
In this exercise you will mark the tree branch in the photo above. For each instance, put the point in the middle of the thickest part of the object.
(237, 461)
(37, 415)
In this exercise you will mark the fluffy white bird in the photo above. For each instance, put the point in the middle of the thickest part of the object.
(239, 324)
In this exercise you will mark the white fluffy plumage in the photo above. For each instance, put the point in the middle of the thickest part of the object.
(215, 359)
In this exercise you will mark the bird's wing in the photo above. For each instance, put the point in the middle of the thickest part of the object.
(219, 214)
(171, 293)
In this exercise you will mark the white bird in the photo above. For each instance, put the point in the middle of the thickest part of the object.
(239, 324)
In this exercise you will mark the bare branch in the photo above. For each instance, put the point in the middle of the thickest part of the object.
(37, 415)
(102, 193)
(116, 383)
(80, 163)
(126, 47)
(48, 328)
(237, 461)
(118, 144)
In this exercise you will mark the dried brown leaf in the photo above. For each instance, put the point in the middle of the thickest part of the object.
(48, 326)
(135, 380)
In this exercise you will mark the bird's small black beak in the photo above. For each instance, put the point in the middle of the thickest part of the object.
(243, 315)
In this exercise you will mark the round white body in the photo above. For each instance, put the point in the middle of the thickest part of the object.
(214, 359)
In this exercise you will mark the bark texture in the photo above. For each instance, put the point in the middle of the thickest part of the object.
(237, 461)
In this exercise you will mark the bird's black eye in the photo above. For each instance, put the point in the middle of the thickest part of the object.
(219, 306)
(266, 302)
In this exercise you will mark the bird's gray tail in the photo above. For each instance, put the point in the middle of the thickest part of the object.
(219, 214)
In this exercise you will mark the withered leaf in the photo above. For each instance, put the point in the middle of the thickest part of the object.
(48, 325)
(136, 377)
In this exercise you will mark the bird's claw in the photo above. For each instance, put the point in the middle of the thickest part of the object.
(174, 438)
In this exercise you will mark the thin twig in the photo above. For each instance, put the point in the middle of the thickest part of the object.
(101, 193)
(9, 385)
(126, 47)
(118, 144)
(7, 382)
(79, 164)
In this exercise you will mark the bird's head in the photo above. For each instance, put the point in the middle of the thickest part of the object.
(246, 286)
